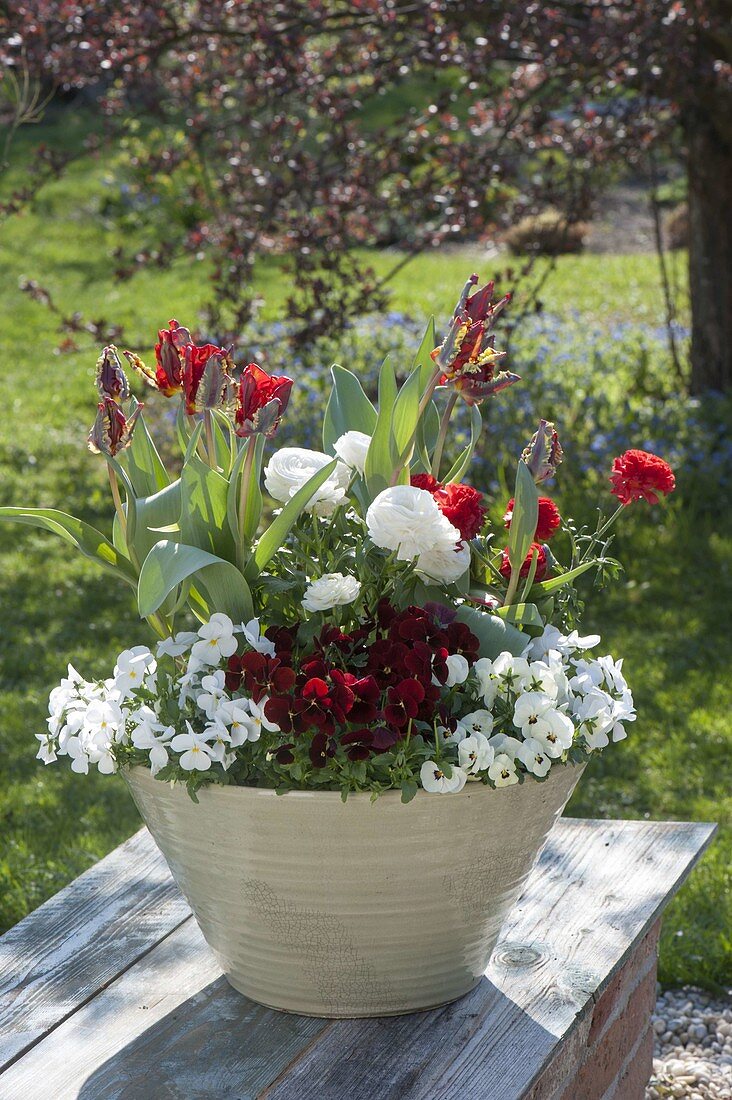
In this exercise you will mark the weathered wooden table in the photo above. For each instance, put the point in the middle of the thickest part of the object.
(108, 991)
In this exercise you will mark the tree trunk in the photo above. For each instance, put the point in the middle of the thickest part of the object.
(709, 142)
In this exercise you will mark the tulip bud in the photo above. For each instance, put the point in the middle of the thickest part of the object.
(207, 381)
(544, 452)
(112, 430)
(261, 402)
(111, 379)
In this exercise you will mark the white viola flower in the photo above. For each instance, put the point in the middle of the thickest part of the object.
(478, 721)
(503, 771)
(352, 448)
(178, 645)
(153, 736)
(218, 739)
(331, 590)
(511, 673)
(453, 737)
(236, 715)
(46, 749)
(445, 562)
(65, 692)
(290, 468)
(534, 757)
(588, 675)
(132, 667)
(613, 674)
(623, 710)
(457, 669)
(435, 781)
(68, 726)
(487, 682)
(104, 760)
(259, 719)
(407, 520)
(543, 677)
(104, 717)
(555, 731)
(213, 690)
(475, 753)
(79, 756)
(529, 709)
(216, 640)
(552, 640)
(504, 745)
(195, 750)
(255, 639)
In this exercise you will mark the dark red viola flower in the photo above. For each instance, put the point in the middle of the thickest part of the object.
(111, 379)
(639, 475)
(283, 639)
(168, 374)
(425, 481)
(284, 754)
(261, 402)
(358, 744)
(403, 700)
(384, 738)
(385, 613)
(260, 675)
(463, 506)
(423, 661)
(543, 453)
(385, 661)
(321, 749)
(322, 703)
(332, 636)
(536, 548)
(284, 712)
(367, 695)
(460, 639)
(547, 524)
(112, 431)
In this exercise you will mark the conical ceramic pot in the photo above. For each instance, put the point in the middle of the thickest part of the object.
(325, 908)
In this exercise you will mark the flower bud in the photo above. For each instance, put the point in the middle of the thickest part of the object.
(111, 379)
(168, 375)
(544, 452)
(261, 401)
(112, 430)
(207, 381)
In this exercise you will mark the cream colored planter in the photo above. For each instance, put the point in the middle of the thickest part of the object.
(326, 908)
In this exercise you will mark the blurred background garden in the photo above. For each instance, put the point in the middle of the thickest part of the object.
(312, 186)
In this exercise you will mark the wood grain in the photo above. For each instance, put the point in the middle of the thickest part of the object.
(170, 1027)
(62, 954)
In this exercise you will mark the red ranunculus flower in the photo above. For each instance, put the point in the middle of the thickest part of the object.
(463, 506)
(541, 564)
(261, 401)
(425, 481)
(640, 475)
(548, 522)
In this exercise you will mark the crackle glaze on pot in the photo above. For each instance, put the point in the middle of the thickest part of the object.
(326, 908)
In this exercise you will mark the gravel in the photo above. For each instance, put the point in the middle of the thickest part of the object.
(693, 1046)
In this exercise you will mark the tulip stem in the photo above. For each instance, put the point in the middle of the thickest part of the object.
(442, 434)
(246, 477)
(118, 506)
(210, 444)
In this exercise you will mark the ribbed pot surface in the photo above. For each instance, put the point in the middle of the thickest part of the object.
(362, 908)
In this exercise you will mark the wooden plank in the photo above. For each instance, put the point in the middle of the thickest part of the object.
(78, 941)
(597, 889)
(170, 1028)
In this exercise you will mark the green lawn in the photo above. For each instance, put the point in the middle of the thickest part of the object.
(666, 617)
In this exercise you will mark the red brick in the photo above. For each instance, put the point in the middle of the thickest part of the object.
(623, 983)
(631, 1084)
(604, 1061)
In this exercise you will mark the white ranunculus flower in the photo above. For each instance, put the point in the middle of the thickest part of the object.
(503, 771)
(457, 669)
(445, 562)
(352, 448)
(435, 781)
(475, 753)
(331, 590)
(407, 519)
(292, 467)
